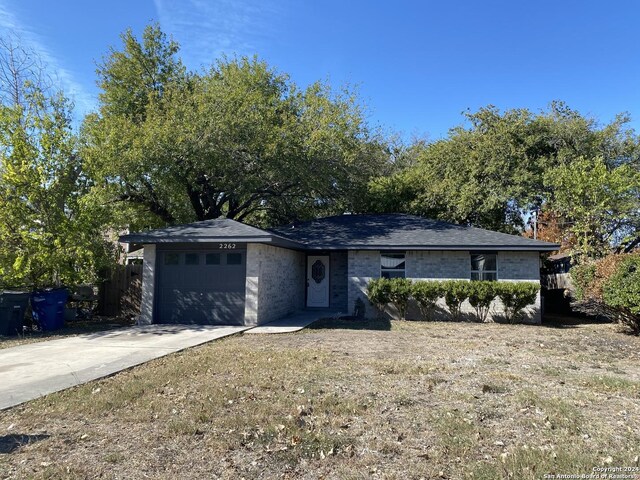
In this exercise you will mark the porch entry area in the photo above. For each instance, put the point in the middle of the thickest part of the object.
(318, 268)
(326, 280)
(295, 322)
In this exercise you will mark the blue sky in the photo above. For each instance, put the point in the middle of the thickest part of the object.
(418, 64)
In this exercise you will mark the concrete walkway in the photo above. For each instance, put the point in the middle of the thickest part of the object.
(294, 322)
(33, 370)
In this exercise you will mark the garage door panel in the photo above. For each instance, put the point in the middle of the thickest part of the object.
(201, 292)
(212, 287)
(220, 298)
(197, 315)
(184, 298)
(190, 316)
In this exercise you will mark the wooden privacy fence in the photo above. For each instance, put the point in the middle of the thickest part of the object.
(121, 293)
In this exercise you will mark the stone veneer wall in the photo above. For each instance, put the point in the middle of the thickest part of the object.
(442, 265)
(275, 283)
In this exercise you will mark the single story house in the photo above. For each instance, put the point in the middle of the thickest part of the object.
(225, 272)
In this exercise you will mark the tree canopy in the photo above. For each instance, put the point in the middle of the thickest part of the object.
(600, 202)
(500, 167)
(50, 232)
(240, 140)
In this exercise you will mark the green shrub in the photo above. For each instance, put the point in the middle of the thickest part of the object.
(481, 294)
(582, 277)
(426, 294)
(609, 287)
(515, 297)
(399, 294)
(455, 292)
(378, 292)
(621, 291)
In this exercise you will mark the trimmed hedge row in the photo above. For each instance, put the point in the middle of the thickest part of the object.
(515, 296)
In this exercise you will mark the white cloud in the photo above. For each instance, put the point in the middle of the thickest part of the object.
(207, 29)
(9, 23)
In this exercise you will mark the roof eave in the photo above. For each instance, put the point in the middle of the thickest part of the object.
(536, 248)
(147, 240)
(190, 239)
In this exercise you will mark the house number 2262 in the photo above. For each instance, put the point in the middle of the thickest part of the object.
(227, 246)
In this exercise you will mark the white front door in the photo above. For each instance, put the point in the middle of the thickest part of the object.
(318, 281)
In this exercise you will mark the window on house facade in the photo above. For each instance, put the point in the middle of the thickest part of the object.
(212, 259)
(191, 259)
(234, 259)
(392, 265)
(171, 258)
(484, 266)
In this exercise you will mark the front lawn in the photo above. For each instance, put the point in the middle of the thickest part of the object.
(399, 400)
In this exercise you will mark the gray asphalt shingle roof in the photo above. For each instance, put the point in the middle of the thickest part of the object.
(385, 231)
(400, 231)
(219, 228)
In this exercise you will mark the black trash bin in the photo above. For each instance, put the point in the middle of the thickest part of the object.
(13, 306)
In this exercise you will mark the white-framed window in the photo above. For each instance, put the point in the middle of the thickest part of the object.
(392, 264)
(484, 266)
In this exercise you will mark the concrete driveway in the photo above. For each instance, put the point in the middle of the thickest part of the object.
(33, 370)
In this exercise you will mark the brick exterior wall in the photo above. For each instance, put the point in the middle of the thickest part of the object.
(276, 279)
(338, 286)
(441, 265)
(518, 266)
(438, 265)
(275, 283)
(363, 265)
(148, 285)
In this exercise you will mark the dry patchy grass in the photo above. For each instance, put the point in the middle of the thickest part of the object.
(406, 400)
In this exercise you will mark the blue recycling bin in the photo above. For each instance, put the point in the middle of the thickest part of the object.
(48, 308)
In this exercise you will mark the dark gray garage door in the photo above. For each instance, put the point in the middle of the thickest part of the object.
(204, 287)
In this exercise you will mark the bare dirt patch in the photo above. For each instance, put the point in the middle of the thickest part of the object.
(348, 400)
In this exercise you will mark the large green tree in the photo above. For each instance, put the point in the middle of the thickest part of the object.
(495, 170)
(600, 202)
(50, 231)
(239, 140)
